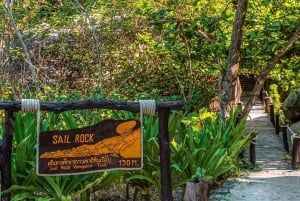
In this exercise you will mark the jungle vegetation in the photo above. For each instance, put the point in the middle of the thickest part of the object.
(193, 51)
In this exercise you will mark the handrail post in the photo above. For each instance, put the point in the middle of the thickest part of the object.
(295, 152)
(264, 94)
(252, 152)
(166, 184)
(284, 138)
(277, 123)
(266, 101)
(6, 149)
(271, 112)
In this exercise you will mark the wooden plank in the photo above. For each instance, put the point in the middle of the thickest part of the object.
(108, 145)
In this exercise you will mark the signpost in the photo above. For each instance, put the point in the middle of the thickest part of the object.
(163, 110)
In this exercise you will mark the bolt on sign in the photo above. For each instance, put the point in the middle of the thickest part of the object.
(110, 144)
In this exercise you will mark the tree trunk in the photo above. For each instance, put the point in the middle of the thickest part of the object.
(264, 75)
(198, 191)
(230, 85)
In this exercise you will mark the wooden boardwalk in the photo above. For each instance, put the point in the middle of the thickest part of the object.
(274, 180)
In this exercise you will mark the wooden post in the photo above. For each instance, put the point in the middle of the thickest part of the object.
(264, 94)
(272, 116)
(266, 101)
(277, 123)
(296, 152)
(6, 149)
(252, 152)
(284, 138)
(166, 185)
(197, 191)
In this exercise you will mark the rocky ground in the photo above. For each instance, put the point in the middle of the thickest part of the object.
(273, 178)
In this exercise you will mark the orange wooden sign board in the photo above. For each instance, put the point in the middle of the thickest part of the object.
(110, 144)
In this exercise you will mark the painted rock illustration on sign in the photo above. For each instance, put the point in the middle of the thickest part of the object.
(117, 138)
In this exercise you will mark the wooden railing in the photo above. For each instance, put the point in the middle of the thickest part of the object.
(282, 127)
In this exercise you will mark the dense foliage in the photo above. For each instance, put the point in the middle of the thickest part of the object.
(142, 48)
(137, 49)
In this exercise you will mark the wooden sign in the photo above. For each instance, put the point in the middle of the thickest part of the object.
(110, 144)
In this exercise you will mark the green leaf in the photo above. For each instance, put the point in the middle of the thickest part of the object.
(176, 167)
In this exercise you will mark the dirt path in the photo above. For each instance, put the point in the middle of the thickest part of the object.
(275, 181)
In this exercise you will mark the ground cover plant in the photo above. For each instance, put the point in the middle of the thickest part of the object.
(208, 149)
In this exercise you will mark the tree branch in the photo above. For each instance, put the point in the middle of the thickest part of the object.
(97, 43)
(12, 21)
(264, 75)
(205, 35)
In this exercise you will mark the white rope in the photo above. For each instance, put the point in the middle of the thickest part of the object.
(294, 135)
(147, 107)
(30, 105)
(33, 106)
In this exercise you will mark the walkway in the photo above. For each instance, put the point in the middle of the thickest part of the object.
(275, 180)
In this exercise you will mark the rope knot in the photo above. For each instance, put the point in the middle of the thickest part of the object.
(147, 107)
(30, 105)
